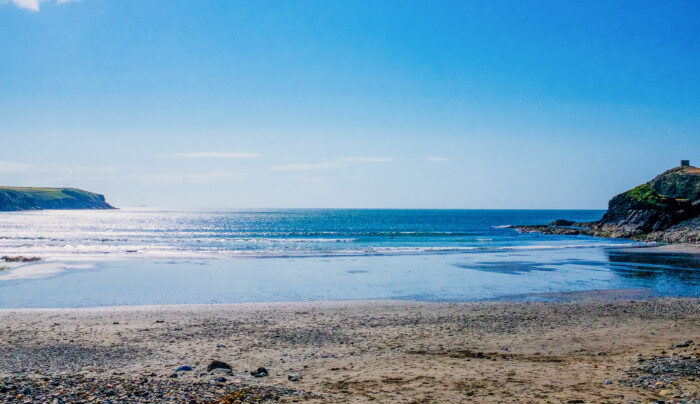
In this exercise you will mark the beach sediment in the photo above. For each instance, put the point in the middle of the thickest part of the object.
(681, 248)
(386, 351)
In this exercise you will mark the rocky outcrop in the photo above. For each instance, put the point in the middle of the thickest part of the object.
(24, 198)
(687, 231)
(665, 209)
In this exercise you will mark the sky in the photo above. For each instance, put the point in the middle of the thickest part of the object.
(348, 104)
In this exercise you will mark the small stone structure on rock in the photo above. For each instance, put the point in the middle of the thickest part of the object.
(685, 163)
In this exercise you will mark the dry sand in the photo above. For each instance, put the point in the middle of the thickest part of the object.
(386, 351)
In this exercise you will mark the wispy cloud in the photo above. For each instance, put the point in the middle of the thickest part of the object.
(366, 159)
(331, 164)
(77, 169)
(190, 178)
(32, 5)
(311, 180)
(10, 167)
(215, 176)
(438, 159)
(306, 166)
(218, 155)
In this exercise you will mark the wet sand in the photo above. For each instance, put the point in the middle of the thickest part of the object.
(691, 249)
(584, 350)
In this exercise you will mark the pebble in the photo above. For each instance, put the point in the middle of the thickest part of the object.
(74, 388)
(658, 372)
(294, 377)
(261, 372)
(218, 365)
(184, 368)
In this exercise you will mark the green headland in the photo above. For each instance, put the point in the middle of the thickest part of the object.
(30, 198)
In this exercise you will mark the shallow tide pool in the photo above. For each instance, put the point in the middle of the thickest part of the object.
(483, 275)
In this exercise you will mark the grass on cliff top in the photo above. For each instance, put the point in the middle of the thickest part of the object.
(680, 170)
(646, 194)
(41, 189)
(40, 193)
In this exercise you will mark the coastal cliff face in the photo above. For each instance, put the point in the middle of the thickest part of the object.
(665, 209)
(24, 198)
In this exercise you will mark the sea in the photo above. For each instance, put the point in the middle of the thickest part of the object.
(142, 256)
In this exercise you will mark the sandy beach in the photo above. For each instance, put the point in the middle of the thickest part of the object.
(218, 202)
(584, 350)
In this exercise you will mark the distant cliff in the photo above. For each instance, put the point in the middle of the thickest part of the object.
(24, 198)
(665, 209)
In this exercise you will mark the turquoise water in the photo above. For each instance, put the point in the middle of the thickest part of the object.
(147, 234)
(135, 257)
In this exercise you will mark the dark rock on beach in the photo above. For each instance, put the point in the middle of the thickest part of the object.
(19, 258)
(220, 366)
(261, 372)
(563, 222)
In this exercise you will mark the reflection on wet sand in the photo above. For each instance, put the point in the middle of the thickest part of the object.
(672, 266)
(508, 267)
(633, 273)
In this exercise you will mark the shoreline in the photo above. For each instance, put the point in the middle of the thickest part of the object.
(681, 248)
(385, 351)
(593, 295)
(194, 307)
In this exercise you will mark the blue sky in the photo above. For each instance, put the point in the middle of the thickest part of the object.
(403, 104)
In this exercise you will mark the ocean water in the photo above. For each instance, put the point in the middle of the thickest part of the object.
(148, 256)
(136, 234)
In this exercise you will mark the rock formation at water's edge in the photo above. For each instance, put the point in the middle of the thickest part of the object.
(665, 209)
